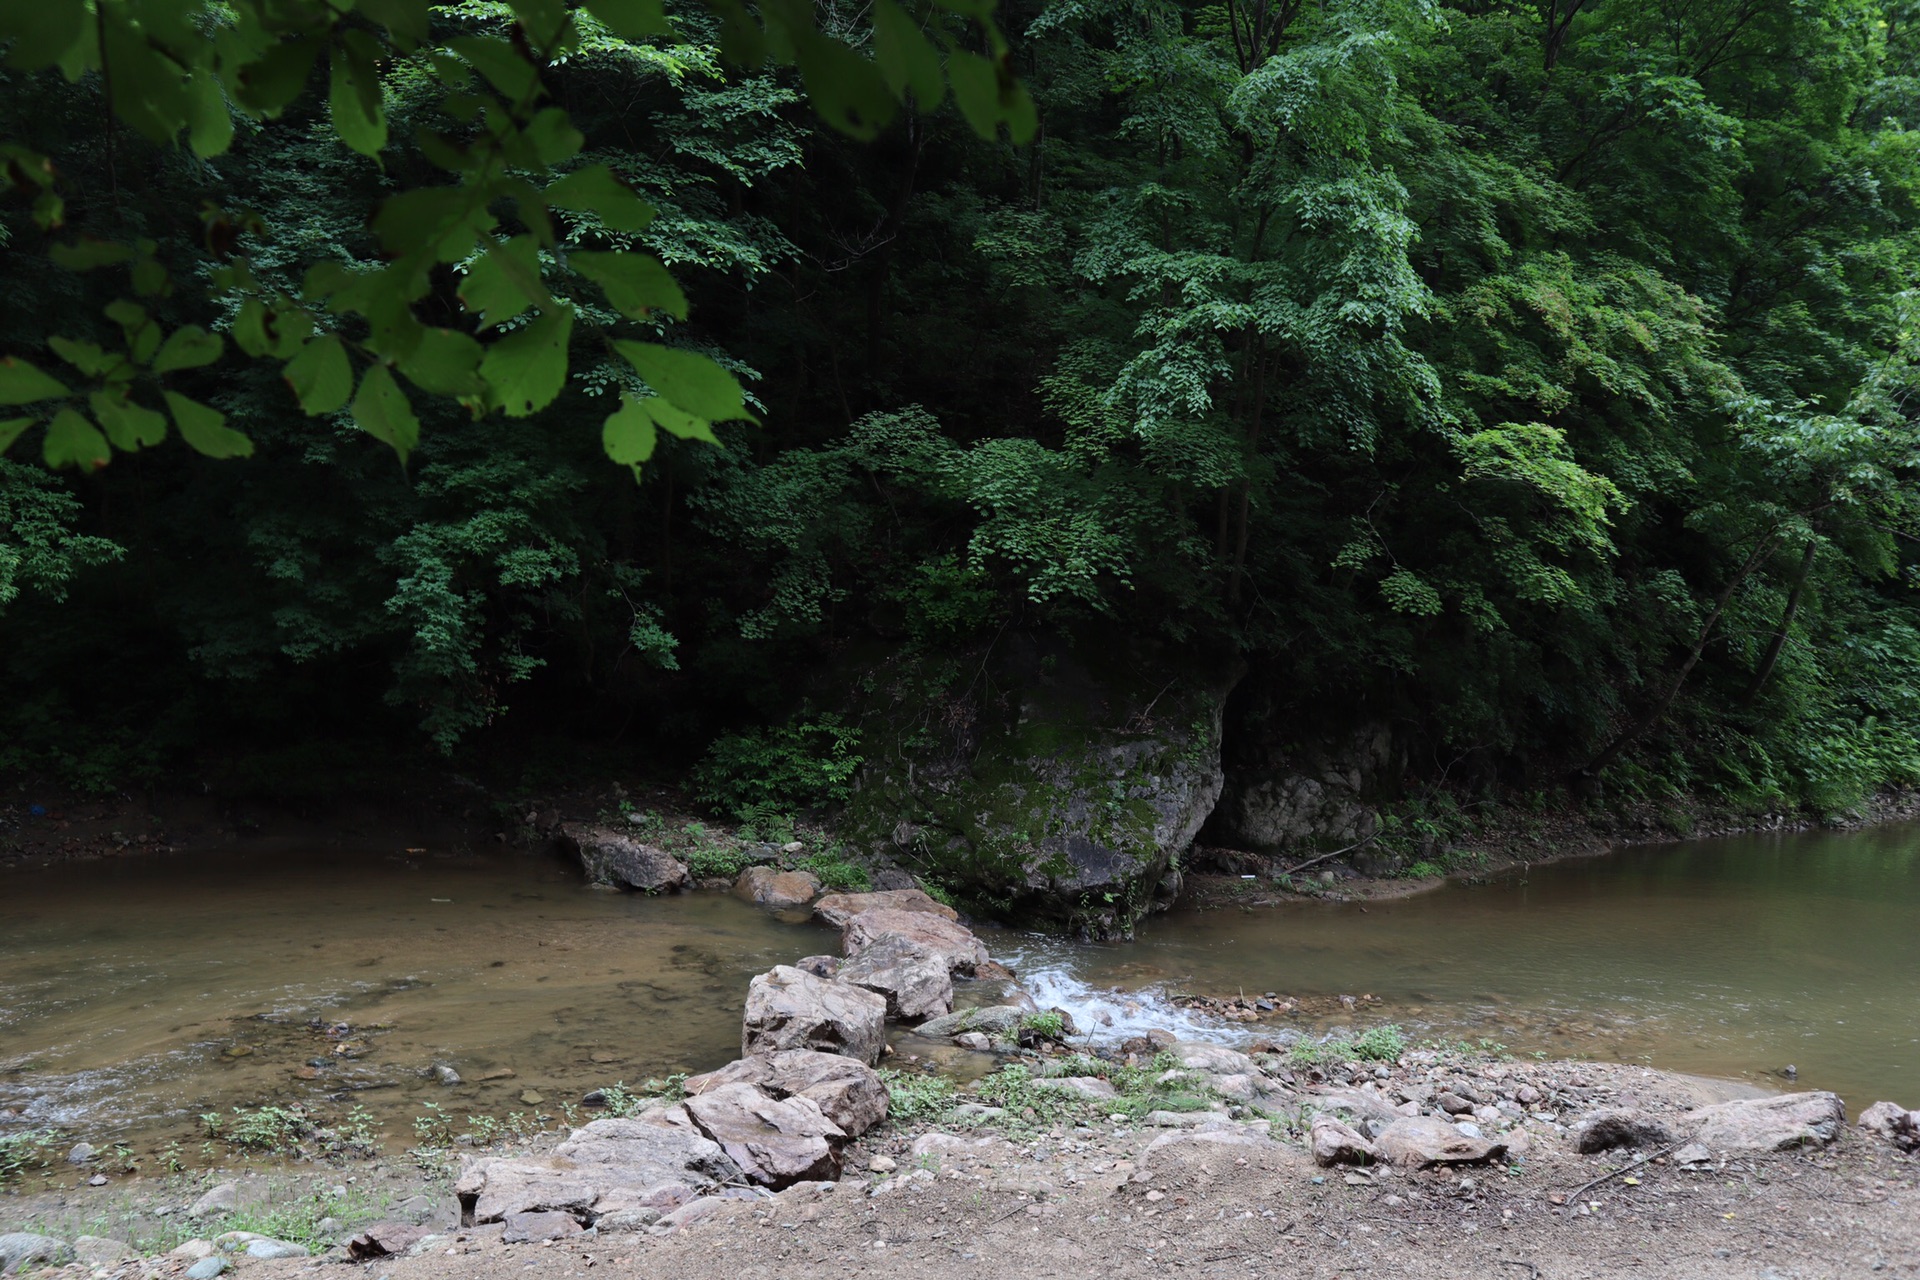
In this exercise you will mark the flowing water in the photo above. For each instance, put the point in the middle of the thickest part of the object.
(136, 995)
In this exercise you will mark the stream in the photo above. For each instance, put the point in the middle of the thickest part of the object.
(138, 994)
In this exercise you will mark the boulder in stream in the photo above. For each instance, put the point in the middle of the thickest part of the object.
(616, 858)
(836, 909)
(768, 887)
(788, 1008)
(915, 982)
(952, 943)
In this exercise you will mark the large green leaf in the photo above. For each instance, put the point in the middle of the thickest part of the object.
(10, 429)
(320, 375)
(21, 383)
(445, 362)
(129, 425)
(87, 357)
(187, 347)
(693, 383)
(87, 253)
(381, 409)
(635, 283)
(209, 121)
(594, 189)
(72, 442)
(206, 429)
(629, 435)
(505, 282)
(847, 90)
(909, 63)
(990, 95)
(502, 64)
(355, 95)
(527, 369)
(42, 32)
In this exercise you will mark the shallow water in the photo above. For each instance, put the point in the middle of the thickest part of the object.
(1732, 957)
(136, 995)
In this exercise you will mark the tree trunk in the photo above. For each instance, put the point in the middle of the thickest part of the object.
(1772, 656)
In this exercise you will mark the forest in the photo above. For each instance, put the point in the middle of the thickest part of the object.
(1532, 377)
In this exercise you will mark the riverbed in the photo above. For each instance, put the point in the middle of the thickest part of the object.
(138, 994)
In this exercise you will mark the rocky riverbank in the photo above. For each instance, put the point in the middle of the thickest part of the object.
(801, 1158)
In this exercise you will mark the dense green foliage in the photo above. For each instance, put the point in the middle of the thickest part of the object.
(1533, 375)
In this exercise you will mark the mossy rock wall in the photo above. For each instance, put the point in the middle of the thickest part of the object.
(1044, 781)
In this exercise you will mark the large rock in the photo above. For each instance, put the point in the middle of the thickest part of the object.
(1893, 1122)
(952, 943)
(1291, 792)
(1335, 1143)
(1612, 1127)
(850, 1093)
(21, 1249)
(615, 858)
(775, 1141)
(836, 909)
(1416, 1142)
(791, 1009)
(1059, 780)
(609, 1166)
(915, 982)
(766, 887)
(103, 1251)
(1755, 1125)
(993, 1020)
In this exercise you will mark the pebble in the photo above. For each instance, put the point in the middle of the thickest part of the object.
(97, 1180)
(81, 1153)
(532, 1097)
(881, 1164)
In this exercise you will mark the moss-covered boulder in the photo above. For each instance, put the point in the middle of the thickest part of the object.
(1040, 780)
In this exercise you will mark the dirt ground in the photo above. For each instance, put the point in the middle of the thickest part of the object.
(1105, 1196)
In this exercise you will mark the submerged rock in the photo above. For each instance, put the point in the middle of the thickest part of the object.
(613, 857)
(788, 1008)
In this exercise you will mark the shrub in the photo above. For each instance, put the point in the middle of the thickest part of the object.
(794, 766)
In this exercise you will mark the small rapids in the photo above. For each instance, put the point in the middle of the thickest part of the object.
(1051, 971)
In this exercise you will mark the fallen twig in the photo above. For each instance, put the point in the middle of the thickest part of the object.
(1625, 1168)
(1329, 857)
(1531, 1269)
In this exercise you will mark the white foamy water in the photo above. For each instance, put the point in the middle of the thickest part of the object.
(1106, 1014)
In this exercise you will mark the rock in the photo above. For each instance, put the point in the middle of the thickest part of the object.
(1692, 1154)
(1421, 1141)
(328, 1228)
(1893, 1122)
(1307, 794)
(836, 909)
(689, 1215)
(608, 1166)
(973, 1040)
(1453, 1104)
(1236, 1136)
(415, 1208)
(1781, 1123)
(446, 1075)
(384, 1240)
(221, 1199)
(192, 1250)
(531, 1228)
(1334, 1143)
(1064, 779)
(775, 1141)
(766, 887)
(275, 1249)
(615, 858)
(881, 1164)
(627, 1220)
(99, 1251)
(849, 1093)
(1373, 1110)
(994, 1020)
(915, 982)
(951, 942)
(1526, 1095)
(532, 1097)
(788, 1008)
(97, 1180)
(819, 966)
(206, 1269)
(235, 1241)
(19, 1249)
(1619, 1127)
(80, 1154)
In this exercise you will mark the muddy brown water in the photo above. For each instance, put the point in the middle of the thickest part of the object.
(136, 995)
(1734, 957)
